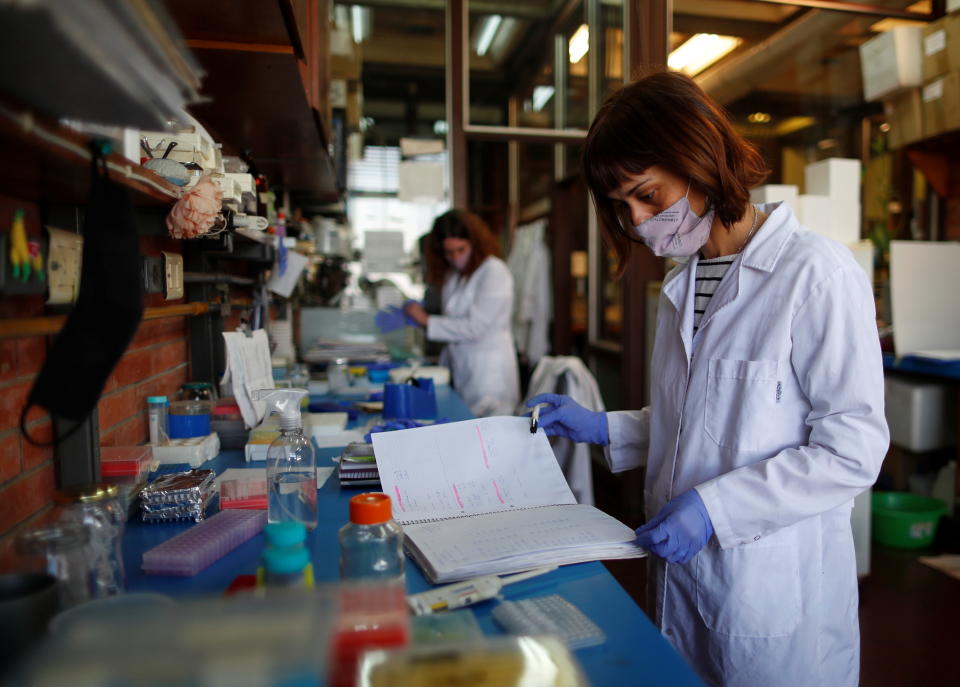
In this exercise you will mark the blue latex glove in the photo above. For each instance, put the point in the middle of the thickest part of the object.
(410, 321)
(564, 417)
(391, 319)
(679, 530)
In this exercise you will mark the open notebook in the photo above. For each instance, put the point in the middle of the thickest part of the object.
(487, 497)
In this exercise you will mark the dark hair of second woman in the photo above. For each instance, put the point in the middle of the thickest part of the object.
(666, 119)
(458, 224)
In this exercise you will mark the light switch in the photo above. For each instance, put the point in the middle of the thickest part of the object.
(173, 271)
(64, 257)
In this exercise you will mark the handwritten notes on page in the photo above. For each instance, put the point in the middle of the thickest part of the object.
(467, 468)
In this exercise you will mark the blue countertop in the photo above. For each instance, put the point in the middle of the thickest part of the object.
(635, 653)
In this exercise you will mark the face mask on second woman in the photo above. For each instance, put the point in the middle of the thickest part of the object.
(460, 262)
(677, 231)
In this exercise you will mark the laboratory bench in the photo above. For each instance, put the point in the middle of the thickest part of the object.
(634, 651)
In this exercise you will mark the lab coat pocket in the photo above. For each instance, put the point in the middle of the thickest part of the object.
(751, 590)
(741, 403)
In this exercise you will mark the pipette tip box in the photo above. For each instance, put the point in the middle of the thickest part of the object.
(190, 552)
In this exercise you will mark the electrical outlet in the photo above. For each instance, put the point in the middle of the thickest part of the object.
(153, 276)
(64, 257)
(173, 274)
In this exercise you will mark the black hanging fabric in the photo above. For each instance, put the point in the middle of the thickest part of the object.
(108, 309)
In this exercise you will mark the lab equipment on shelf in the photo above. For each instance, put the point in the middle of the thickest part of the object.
(96, 507)
(371, 544)
(190, 552)
(157, 407)
(291, 464)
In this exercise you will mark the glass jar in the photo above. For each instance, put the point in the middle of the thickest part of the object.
(197, 391)
(338, 375)
(62, 550)
(97, 507)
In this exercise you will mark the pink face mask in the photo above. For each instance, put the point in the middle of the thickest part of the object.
(459, 263)
(677, 231)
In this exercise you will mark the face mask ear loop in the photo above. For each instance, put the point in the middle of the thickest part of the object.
(56, 439)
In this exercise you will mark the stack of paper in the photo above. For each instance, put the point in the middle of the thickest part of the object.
(488, 497)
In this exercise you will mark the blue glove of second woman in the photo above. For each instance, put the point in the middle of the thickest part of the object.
(390, 319)
(564, 417)
(679, 530)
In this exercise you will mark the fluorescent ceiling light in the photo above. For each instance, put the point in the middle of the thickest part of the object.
(700, 51)
(488, 30)
(360, 23)
(579, 44)
(541, 95)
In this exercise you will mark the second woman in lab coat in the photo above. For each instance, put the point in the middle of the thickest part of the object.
(462, 256)
(766, 416)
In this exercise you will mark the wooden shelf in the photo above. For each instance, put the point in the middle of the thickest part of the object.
(938, 159)
(43, 160)
(264, 80)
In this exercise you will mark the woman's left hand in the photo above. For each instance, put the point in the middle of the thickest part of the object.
(679, 530)
(415, 312)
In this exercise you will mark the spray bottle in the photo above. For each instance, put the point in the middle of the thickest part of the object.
(291, 464)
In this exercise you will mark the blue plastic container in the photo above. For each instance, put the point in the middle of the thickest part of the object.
(410, 402)
(189, 419)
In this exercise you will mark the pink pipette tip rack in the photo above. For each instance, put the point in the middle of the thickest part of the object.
(190, 552)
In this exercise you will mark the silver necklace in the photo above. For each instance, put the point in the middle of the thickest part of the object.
(753, 228)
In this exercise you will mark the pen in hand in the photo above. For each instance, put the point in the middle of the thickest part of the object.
(535, 419)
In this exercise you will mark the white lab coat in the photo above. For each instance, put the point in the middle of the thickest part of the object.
(566, 374)
(774, 413)
(529, 263)
(475, 325)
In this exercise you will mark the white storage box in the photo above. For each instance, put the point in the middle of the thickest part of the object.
(815, 213)
(837, 177)
(920, 414)
(892, 62)
(846, 222)
(775, 193)
(193, 451)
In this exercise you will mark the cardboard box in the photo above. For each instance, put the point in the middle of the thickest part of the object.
(836, 177)
(775, 193)
(892, 62)
(941, 104)
(935, 56)
(905, 117)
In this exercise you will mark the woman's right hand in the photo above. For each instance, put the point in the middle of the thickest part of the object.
(564, 417)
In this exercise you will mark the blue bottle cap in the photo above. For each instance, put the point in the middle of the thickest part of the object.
(285, 533)
(285, 560)
(156, 399)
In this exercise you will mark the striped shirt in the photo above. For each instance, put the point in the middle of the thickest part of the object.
(709, 275)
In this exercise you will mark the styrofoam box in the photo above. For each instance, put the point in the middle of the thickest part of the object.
(863, 253)
(919, 414)
(815, 213)
(846, 222)
(837, 177)
(243, 180)
(892, 61)
(775, 193)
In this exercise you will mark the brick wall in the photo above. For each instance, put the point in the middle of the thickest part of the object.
(155, 363)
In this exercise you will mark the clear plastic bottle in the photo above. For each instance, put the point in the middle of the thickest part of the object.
(157, 407)
(291, 464)
(371, 544)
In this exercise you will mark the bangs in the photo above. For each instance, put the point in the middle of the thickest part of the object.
(611, 155)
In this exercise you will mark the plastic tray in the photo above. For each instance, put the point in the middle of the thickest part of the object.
(190, 552)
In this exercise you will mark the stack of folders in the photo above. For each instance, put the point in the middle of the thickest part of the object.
(486, 497)
(358, 466)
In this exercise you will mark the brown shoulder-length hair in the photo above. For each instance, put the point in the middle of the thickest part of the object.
(666, 119)
(458, 224)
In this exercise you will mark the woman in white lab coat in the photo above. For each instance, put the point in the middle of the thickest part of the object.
(766, 417)
(462, 256)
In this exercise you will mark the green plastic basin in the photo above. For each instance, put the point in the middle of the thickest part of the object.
(905, 521)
